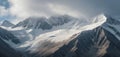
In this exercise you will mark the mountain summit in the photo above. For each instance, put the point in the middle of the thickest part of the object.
(44, 23)
(6, 23)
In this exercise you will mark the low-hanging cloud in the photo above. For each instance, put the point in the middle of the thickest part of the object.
(26, 8)
(77, 8)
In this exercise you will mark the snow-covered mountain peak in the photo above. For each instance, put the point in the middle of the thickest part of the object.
(99, 18)
(33, 23)
(6, 23)
(44, 23)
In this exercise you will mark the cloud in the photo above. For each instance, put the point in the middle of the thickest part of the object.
(26, 8)
(61, 9)
(3, 11)
(77, 8)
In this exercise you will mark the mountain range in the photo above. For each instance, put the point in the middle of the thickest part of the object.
(61, 36)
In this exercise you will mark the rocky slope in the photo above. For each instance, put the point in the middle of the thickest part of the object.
(5, 49)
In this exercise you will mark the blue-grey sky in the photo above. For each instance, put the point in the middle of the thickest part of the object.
(20, 9)
(4, 3)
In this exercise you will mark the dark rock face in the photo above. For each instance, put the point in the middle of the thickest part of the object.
(94, 43)
(5, 49)
(6, 35)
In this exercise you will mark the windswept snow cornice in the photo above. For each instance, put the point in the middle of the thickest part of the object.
(96, 22)
(100, 18)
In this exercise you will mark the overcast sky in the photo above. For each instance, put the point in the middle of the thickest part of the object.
(20, 9)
